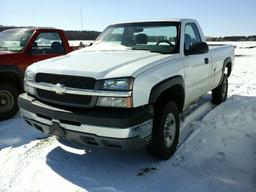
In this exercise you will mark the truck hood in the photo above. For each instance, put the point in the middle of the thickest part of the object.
(7, 53)
(101, 64)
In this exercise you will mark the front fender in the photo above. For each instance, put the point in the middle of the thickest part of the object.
(158, 89)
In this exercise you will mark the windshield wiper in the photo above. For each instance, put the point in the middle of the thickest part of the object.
(133, 48)
(138, 49)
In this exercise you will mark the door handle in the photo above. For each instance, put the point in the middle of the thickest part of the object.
(206, 60)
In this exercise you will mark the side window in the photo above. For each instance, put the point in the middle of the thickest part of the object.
(48, 43)
(192, 35)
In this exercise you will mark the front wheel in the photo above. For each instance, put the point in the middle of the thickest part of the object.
(165, 133)
(8, 101)
(219, 94)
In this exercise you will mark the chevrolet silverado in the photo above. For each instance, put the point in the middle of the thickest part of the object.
(130, 88)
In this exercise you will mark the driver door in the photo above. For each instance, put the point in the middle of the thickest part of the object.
(46, 45)
(197, 67)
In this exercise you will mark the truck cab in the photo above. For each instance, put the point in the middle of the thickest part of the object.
(19, 48)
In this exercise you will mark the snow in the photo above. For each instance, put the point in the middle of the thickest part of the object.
(217, 151)
(238, 44)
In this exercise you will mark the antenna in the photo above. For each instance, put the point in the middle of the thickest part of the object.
(81, 18)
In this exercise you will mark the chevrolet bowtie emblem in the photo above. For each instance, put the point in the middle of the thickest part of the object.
(59, 89)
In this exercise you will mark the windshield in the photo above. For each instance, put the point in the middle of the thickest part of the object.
(160, 37)
(14, 39)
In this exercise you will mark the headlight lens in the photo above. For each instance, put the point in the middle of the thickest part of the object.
(115, 102)
(29, 75)
(28, 89)
(119, 84)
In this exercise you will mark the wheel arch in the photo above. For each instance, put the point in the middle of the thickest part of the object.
(227, 64)
(227, 68)
(13, 75)
(170, 89)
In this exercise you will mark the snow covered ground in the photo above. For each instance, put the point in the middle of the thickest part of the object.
(219, 155)
(238, 44)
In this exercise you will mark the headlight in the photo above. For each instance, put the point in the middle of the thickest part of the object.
(28, 89)
(29, 75)
(119, 84)
(125, 102)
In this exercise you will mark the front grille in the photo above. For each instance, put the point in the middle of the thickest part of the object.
(69, 100)
(67, 80)
(66, 100)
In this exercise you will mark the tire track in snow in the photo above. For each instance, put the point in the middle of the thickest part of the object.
(194, 114)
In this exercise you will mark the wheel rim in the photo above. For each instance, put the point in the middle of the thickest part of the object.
(6, 101)
(224, 89)
(169, 130)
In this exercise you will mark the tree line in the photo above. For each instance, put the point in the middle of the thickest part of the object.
(233, 38)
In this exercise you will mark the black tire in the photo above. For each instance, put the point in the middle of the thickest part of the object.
(219, 94)
(8, 101)
(159, 147)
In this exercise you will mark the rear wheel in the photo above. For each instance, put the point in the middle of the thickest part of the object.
(219, 94)
(165, 134)
(8, 101)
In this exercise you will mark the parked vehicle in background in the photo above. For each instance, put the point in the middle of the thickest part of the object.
(129, 89)
(19, 48)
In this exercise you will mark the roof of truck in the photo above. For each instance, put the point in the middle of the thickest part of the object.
(157, 20)
(33, 29)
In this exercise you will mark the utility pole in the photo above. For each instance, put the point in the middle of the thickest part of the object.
(81, 18)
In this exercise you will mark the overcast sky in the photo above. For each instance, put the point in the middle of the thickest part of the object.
(217, 17)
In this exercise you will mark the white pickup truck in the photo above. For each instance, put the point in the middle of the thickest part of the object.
(129, 89)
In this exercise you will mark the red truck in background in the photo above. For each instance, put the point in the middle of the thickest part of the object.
(19, 48)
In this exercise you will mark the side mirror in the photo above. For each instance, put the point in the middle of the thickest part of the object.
(197, 48)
